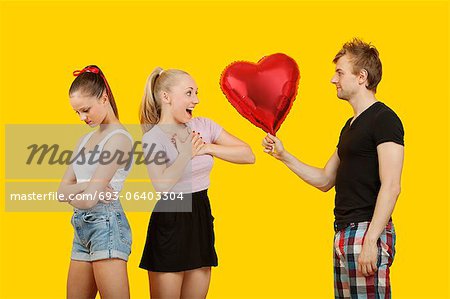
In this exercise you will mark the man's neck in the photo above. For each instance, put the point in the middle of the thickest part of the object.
(361, 102)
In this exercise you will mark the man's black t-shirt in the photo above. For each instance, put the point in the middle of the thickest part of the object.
(358, 178)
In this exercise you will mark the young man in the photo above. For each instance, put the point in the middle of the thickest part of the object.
(365, 170)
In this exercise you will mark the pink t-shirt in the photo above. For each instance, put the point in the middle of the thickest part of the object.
(196, 174)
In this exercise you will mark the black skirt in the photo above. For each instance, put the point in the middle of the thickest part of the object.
(181, 241)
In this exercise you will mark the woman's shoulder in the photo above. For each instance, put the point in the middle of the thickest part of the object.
(154, 134)
(122, 132)
(83, 139)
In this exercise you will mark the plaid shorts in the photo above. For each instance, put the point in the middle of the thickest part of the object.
(348, 281)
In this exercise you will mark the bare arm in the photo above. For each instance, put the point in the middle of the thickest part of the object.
(321, 178)
(68, 185)
(230, 148)
(390, 160)
(104, 172)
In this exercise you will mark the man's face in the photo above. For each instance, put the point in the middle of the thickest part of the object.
(344, 79)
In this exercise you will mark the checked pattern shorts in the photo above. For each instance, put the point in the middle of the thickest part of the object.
(348, 281)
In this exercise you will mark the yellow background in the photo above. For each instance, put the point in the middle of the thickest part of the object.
(274, 232)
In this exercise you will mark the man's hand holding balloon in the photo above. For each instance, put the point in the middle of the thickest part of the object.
(273, 146)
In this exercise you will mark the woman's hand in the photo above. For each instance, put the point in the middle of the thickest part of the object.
(109, 194)
(193, 145)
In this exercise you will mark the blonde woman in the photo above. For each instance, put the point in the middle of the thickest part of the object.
(179, 251)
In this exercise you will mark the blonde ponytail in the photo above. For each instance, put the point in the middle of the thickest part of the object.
(159, 80)
(150, 109)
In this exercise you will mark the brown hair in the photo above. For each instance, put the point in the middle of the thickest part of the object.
(159, 80)
(363, 56)
(92, 82)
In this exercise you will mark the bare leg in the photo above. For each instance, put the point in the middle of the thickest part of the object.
(196, 283)
(112, 278)
(165, 285)
(81, 281)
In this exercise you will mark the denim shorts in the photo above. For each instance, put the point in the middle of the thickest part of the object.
(102, 232)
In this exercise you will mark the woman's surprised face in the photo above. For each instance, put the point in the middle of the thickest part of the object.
(182, 99)
(90, 109)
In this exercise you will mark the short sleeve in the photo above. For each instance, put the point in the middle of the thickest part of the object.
(214, 129)
(388, 127)
(152, 146)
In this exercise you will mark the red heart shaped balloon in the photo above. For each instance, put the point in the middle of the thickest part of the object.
(262, 92)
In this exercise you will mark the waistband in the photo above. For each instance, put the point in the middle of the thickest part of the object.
(188, 195)
(363, 224)
(186, 203)
(201, 193)
(342, 226)
(113, 205)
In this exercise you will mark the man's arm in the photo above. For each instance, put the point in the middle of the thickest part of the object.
(390, 159)
(321, 178)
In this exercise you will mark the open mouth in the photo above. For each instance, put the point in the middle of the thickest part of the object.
(189, 111)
